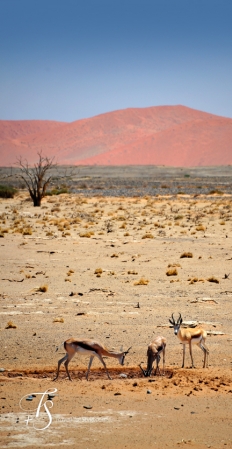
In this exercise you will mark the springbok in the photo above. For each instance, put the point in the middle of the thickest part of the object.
(154, 350)
(190, 336)
(88, 347)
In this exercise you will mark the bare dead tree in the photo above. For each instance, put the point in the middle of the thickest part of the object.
(36, 177)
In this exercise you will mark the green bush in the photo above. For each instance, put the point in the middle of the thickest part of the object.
(7, 191)
(56, 191)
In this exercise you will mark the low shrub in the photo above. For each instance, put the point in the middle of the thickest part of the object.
(172, 272)
(142, 281)
(186, 254)
(7, 191)
(213, 279)
(56, 191)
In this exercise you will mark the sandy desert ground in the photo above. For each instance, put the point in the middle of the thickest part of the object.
(100, 267)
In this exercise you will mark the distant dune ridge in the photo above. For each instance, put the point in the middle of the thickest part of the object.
(163, 135)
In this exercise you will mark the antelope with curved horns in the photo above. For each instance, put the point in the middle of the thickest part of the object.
(155, 348)
(88, 347)
(190, 336)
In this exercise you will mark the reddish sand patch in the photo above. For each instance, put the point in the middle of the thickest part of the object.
(164, 135)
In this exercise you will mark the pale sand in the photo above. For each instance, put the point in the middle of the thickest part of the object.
(188, 408)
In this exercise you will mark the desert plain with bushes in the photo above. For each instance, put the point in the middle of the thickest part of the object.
(114, 267)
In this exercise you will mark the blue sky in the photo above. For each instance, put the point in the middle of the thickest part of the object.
(70, 59)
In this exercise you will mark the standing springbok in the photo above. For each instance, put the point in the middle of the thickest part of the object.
(154, 350)
(190, 336)
(88, 347)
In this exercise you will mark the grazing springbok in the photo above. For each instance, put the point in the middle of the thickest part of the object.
(190, 336)
(154, 350)
(88, 347)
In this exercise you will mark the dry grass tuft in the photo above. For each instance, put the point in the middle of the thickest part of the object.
(142, 281)
(193, 280)
(58, 320)
(213, 279)
(11, 325)
(86, 234)
(200, 228)
(43, 288)
(172, 272)
(114, 255)
(98, 271)
(148, 236)
(27, 231)
(186, 254)
(132, 272)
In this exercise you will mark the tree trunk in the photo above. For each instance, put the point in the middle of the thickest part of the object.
(36, 201)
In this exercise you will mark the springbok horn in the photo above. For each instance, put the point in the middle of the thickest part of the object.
(172, 321)
(143, 371)
(179, 319)
(126, 352)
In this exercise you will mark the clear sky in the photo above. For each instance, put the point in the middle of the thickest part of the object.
(71, 59)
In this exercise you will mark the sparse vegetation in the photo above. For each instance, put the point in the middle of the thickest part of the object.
(43, 288)
(200, 228)
(187, 255)
(86, 234)
(148, 236)
(7, 191)
(172, 272)
(213, 279)
(11, 325)
(142, 281)
(58, 320)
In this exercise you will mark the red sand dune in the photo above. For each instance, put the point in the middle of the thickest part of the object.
(167, 135)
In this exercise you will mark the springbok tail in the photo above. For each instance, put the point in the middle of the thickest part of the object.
(58, 347)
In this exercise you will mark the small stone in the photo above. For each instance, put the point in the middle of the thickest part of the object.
(2, 370)
(88, 407)
(117, 394)
(123, 376)
(149, 391)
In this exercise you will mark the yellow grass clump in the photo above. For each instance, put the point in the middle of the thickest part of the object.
(132, 272)
(148, 236)
(200, 228)
(11, 325)
(172, 272)
(213, 279)
(98, 271)
(86, 234)
(186, 254)
(58, 320)
(142, 281)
